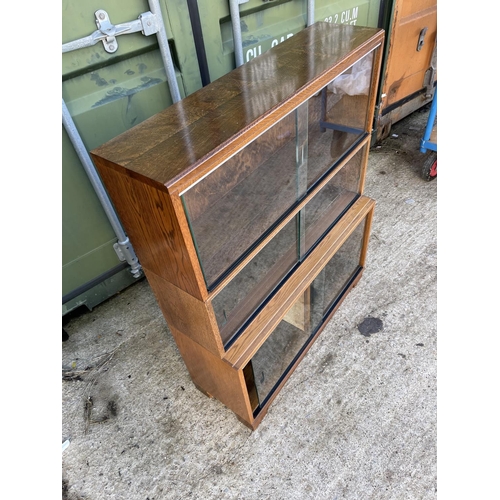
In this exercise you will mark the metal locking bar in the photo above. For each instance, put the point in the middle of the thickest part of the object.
(107, 32)
(148, 23)
(234, 8)
(123, 247)
(310, 12)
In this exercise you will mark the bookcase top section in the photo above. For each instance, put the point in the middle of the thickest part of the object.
(181, 144)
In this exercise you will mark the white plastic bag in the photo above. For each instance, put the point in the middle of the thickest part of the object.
(355, 81)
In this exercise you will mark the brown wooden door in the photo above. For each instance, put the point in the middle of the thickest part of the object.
(409, 72)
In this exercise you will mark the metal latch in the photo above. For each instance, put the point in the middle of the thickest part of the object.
(421, 37)
(107, 31)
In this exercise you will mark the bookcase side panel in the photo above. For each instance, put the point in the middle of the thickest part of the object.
(153, 227)
(214, 377)
(190, 316)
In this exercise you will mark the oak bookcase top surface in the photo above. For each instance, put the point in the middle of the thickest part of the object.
(179, 145)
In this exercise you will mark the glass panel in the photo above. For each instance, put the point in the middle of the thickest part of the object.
(278, 352)
(281, 347)
(230, 209)
(250, 287)
(331, 201)
(254, 283)
(326, 288)
(338, 117)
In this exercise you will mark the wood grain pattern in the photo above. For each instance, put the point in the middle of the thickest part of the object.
(256, 95)
(250, 383)
(266, 321)
(214, 377)
(154, 229)
(190, 316)
(364, 166)
(298, 314)
(366, 237)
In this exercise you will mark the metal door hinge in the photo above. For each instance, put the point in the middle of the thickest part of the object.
(107, 31)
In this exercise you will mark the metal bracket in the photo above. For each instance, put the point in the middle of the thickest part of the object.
(119, 252)
(149, 24)
(125, 252)
(107, 31)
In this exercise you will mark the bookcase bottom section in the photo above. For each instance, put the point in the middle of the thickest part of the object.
(261, 410)
(248, 379)
(214, 377)
(236, 389)
(249, 391)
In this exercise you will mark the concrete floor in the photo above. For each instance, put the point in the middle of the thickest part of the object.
(357, 419)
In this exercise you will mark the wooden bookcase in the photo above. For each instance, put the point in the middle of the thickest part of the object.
(244, 203)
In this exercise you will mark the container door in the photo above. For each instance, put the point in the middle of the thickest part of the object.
(265, 24)
(360, 12)
(106, 94)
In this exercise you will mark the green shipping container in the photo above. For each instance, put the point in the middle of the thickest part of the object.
(106, 94)
(265, 24)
